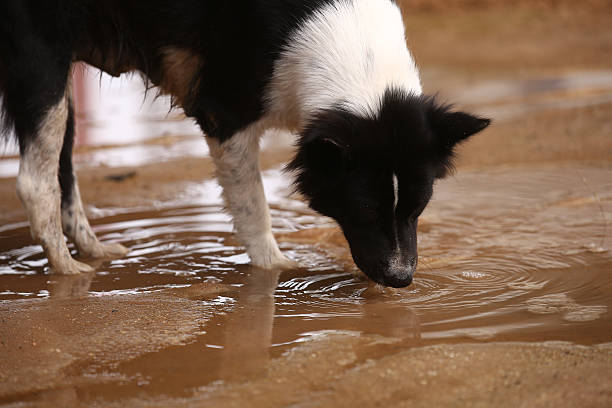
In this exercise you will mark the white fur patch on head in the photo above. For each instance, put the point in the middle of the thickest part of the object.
(348, 52)
(395, 192)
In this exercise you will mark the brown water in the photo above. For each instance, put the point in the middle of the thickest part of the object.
(506, 254)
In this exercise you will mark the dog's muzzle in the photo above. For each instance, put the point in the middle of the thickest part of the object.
(399, 276)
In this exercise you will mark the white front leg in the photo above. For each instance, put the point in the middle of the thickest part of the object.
(237, 164)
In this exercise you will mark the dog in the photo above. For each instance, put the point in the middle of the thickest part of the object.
(337, 73)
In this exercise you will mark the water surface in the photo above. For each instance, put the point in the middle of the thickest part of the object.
(506, 254)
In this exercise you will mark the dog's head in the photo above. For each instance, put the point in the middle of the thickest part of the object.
(375, 175)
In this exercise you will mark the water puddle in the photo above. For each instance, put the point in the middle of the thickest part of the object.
(518, 255)
(510, 254)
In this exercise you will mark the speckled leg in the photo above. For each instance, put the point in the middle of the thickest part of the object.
(77, 228)
(39, 189)
(237, 164)
(74, 221)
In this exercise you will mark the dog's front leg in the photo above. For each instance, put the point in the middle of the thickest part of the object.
(237, 163)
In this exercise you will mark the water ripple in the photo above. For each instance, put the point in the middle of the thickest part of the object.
(492, 262)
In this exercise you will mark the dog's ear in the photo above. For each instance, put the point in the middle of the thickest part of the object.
(319, 163)
(323, 152)
(449, 129)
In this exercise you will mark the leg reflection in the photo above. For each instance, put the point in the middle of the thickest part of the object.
(70, 286)
(248, 330)
(391, 320)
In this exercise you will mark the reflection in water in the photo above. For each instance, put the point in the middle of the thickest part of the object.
(70, 286)
(398, 321)
(248, 328)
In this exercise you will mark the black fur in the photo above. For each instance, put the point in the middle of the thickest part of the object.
(345, 165)
(33, 74)
(66, 172)
(238, 42)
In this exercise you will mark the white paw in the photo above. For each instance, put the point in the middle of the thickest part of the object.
(264, 253)
(286, 264)
(106, 251)
(274, 260)
(70, 266)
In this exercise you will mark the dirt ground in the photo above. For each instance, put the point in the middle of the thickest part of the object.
(457, 44)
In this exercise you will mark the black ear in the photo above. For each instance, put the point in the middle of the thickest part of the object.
(321, 153)
(320, 161)
(451, 128)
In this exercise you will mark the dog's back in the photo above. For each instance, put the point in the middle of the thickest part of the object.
(214, 57)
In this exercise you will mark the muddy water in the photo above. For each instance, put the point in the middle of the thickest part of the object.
(505, 255)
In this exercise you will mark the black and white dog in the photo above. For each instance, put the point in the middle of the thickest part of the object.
(337, 72)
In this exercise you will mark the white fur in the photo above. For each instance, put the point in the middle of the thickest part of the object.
(349, 52)
(395, 192)
(76, 227)
(39, 190)
(396, 258)
(237, 164)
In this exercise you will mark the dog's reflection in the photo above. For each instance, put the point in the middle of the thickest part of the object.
(73, 286)
(70, 286)
(395, 321)
(248, 330)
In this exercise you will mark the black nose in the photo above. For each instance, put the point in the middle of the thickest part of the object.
(399, 276)
(397, 280)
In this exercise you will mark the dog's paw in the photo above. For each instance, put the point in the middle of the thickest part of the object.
(106, 251)
(114, 250)
(265, 254)
(70, 266)
(278, 262)
(287, 264)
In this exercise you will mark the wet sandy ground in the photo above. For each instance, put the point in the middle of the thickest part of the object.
(510, 307)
